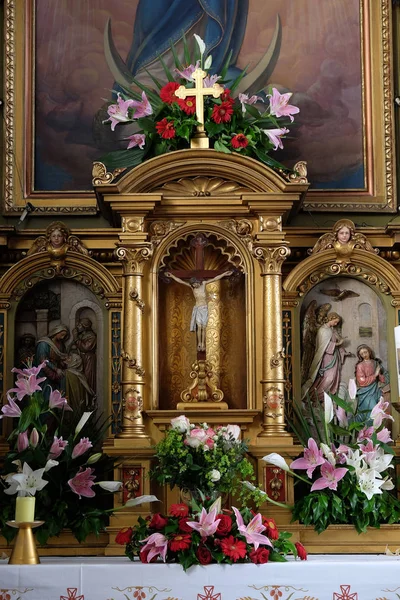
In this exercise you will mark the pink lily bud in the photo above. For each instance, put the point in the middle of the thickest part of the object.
(81, 447)
(57, 447)
(34, 438)
(22, 441)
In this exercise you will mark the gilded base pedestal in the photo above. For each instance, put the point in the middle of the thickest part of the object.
(24, 551)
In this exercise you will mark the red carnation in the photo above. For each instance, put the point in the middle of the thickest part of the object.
(222, 112)
(183, 526)
(233, 548)
(204, 555)
(180, 541)
(179, 510)
(259, 556)
(224, 526)
(239, 141)
(158, 521)
(301, 551)
(165, 129)
(188, 105)
(271, 528)
(124, 536)
(167, 93)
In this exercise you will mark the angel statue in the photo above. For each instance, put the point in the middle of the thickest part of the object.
(343, 239)
(57, 242)
(323, 352)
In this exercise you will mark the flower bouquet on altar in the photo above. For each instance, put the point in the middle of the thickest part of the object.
(58, 464)
(155, 121)
(347, 463)
(191, 536)
(201, 460)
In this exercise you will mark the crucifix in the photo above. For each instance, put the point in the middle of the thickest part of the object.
(200, 140)
(197, 280)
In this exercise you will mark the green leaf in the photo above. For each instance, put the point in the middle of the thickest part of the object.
(167, 71)
(122, 158)
(252, 110)
(221, 147)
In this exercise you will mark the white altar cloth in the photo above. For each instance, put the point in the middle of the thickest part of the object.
(344, 577)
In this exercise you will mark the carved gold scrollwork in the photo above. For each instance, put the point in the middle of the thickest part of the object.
(273, 400)
(270, 223)
(276, 483)
(299, 174)
(202, 389)
(133, 259)
(242, 227)
(132, 404)
(277, 359)
(271, 259)
(159, 229)
(101, 176)
(202, 187)
(133, 364)
(9, 108)
(344, 268)
(51, 273)
(134, 295)
(132, 225)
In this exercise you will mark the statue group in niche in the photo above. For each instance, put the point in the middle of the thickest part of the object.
(325, 349)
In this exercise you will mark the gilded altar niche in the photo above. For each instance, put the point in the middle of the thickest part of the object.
(226, 327)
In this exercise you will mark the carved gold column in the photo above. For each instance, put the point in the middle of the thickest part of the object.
(273, 381)
(133, 258)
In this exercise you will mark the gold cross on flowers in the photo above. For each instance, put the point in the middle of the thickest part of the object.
(200, 140)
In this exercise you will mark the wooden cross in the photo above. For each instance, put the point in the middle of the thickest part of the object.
(199, 92)
(199, 242)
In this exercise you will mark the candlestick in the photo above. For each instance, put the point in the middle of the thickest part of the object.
(25, 509)
(24, 551)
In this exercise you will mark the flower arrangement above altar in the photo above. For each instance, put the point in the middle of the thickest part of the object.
(348, 465)
(55, 471)
(199, 458)
(200, 536)
(192, 104)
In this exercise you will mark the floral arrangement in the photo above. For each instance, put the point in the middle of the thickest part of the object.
(193, 537)
(62, 470)
(348, 463)
(157, 121)
(200, 458)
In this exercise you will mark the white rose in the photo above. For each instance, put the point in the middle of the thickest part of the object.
(215, 475)
(181, 424)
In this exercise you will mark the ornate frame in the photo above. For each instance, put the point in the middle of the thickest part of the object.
(378, 194)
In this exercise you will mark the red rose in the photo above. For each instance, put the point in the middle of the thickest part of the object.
(124, 536)
(222, 112)
(183, 526)
(188, 105)
(167, 93)
(301, 551)
(204, 555)
(179, 510)
(271, 528)
(239, 141)
(165, 129)
(224, 526)
(259, 556)
(158, 521)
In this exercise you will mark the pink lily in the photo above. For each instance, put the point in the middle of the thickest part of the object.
(365, 434)
(341, 416)
(188, 72)
(245, 99)
(11, 409)
(56, 400)
(378, 413)
(209, 81)
(312, 458)
(157, 544)
(22, 441)
(279, 106)
(30, 371)
(252, 532)
(81, 447)
(34, 438)
(26, 386)
(82, 483)
(57, 447)
(274, 136)
(142, 108)
(384, 436)
(118, 113)
(137, 139)
(207, 524)
(330, 477)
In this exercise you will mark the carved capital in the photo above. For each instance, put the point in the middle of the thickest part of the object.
(271, 259)
(133, 259)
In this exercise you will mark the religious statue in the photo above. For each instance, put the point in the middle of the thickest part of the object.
(85, 341)
(343, 239)
(58, 241)
(371, 378)
(199, 318)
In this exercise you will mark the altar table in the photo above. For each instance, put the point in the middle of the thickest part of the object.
(347, 577)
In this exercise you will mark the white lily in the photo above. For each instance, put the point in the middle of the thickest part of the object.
(141, 500)
(50, 464)
(29, 482)
(387, 484)
(380, 461)
(369, 484)
(277, 460)
(327, 452)
(328, 404)
(208, 63)
(82, 422)
(110, 486)
(200, 43)
(352, 389)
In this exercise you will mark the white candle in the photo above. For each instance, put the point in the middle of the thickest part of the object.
(25, 509)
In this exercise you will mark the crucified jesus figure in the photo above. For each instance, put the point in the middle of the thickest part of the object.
(199, 318)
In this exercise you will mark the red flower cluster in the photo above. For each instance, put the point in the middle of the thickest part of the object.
(166, 129)
(167, 93)
(180, 537)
